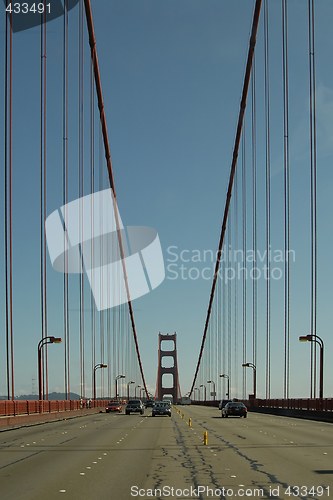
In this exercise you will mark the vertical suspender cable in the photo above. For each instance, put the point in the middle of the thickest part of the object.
(92, 189)
(81, 147)
(65, 193)
(245, 262)
(286, 196)
(229, 296)
(101, 316)
(254, 215)
(313, 165)
(8, 212)
(224, 327)
(10, 208)
(216, 347)
(253, 38)
(43, 198)
(67, 198)
(41, 202)
(236, 286)
(268, 207)
(45, 193)
(218, 328)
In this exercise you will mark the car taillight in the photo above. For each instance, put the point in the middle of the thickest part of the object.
(229, 409)
(245, 409)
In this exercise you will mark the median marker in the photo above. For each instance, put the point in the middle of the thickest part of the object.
(189, 422)
(205, 437)
(183, 416)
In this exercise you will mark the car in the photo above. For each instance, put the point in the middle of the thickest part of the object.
(223, 402)
(161, 408)
(113, 406)
(234, 408)
(134, 406)
(149, 403)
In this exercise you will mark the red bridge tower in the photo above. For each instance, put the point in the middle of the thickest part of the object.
(174, 390)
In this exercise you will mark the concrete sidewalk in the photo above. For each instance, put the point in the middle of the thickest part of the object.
(14, 422)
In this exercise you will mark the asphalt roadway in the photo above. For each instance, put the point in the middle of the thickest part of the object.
(123, 457)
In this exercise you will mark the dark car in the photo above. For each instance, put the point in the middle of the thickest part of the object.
(223, 402)
(134, 406)
(113, 406)
(234, 408)
(161, 408)
(149, 403)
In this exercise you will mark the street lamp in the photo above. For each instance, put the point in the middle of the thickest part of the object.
(128, 389)
(212, 382)
(320, 342)
(202, 385)
(41, 343)
(227, 377)
(251, 365)
(136, 389)
(100, 365)
(117, 378)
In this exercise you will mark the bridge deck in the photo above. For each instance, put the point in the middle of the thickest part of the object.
(105, 455)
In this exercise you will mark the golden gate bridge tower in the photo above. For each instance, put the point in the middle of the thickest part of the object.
(174, 390)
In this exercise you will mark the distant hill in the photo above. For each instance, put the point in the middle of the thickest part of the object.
(54, 396)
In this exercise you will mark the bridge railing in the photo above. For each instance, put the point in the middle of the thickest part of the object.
(8, 408)
(285, 404)
(293, 404)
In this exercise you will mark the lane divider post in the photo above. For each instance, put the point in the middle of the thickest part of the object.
(205, 437)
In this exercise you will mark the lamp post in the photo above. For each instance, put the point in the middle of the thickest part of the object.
(251, 365)
(117, 378)
(227, 377)
(41, 343)
(212, 382)
(129, 383)
(202, 385)
(100, 365)
(320, 342)
(136, 389)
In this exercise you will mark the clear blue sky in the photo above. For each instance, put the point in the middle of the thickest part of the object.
(172, 75)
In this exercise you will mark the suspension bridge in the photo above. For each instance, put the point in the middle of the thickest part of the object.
(73, 272)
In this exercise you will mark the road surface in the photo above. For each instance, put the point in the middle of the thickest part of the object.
(108, 456)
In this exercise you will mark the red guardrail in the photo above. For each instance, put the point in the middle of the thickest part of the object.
(288, 404)
(8, 408)
(293, 404)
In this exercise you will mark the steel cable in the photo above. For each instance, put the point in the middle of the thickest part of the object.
(286, 198)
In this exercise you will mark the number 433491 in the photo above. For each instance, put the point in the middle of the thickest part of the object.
(303, 491)
(24, 8)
